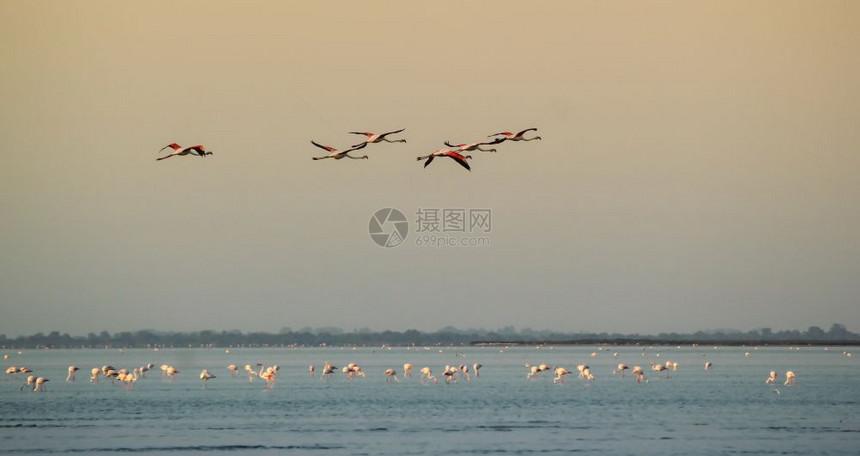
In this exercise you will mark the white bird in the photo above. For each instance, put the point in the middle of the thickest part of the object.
(337, 155)
(475, 146)
(373, 138)
(461, 159)
(179, 150)
(508, 136)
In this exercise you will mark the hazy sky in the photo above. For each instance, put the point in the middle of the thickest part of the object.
(698, 167)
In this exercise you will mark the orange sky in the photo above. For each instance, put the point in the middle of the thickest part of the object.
(698, 167)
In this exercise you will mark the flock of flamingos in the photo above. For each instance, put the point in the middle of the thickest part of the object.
(453, 151)
(451, 374)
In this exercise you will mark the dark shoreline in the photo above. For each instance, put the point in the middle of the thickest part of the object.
(641, 343)
(664, 342)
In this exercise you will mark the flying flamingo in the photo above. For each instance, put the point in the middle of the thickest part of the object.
(508, 136)
(475, 146)
(179, 150)
(446, 153)
(337, 155)
(71, 376)
(373, 138)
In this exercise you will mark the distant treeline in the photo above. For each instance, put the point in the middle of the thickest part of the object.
(837, 334)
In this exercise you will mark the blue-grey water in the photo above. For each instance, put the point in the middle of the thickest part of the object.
(726, 410)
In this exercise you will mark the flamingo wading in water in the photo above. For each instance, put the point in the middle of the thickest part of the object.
(71, 376)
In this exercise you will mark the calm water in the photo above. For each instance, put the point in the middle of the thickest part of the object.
(727, 410)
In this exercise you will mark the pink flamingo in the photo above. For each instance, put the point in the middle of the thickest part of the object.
(373, 138)
(179, 150)
(337, 155)
(508, 136)
(475, 146)
(461, 159)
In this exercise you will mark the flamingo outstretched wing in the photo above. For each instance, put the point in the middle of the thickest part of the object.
(328, 148)
(173, 146)
(391, 133)
(356, 147)
(459, 159)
